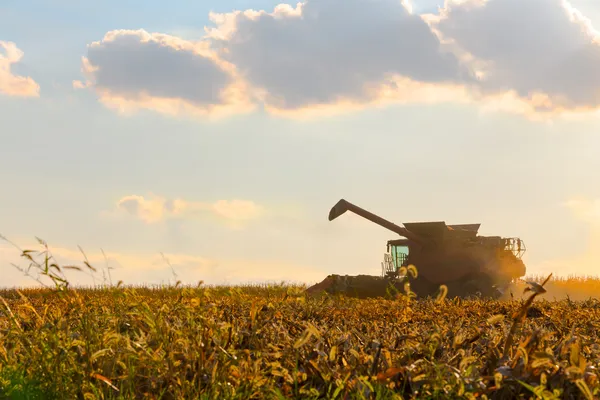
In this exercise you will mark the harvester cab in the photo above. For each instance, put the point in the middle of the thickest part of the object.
(453, 255)
(395, 258)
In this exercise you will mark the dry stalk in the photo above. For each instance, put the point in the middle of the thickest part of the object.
(520, 315)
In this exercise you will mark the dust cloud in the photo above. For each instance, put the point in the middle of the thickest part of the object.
(575, 290)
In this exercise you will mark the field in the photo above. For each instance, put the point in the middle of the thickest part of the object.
(275, 342)
(272, 342)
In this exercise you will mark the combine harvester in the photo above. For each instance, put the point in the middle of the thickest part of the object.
(451, 255)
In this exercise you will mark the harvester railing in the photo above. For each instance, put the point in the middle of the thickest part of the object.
(516, 246)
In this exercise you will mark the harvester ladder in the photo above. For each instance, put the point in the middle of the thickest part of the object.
(387, 266)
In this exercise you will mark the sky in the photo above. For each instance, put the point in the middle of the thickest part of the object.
(208, 140)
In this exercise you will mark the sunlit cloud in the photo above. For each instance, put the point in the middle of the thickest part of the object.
(542, 48)
(332, 53)
(153, 209)
(10, 83)
(314, 59)
(133, 70)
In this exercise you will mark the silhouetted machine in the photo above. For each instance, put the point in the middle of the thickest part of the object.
(453, 255)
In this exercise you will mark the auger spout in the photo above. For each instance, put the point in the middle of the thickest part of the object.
(342, 206)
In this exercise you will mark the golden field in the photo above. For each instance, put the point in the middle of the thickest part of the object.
(276, 342)
(273, 342)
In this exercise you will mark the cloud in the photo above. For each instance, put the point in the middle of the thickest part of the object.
(11, 84)
(538, 48)
(329, 52)
(538, 58)
(148, 210)
(155, 209)
(132, 70)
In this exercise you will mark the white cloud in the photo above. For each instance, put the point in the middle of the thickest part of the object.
(131, 70)
(542, 47)
(149, 210)
(11, 84)
(155, 209)
(327, 52)
(540, 57)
